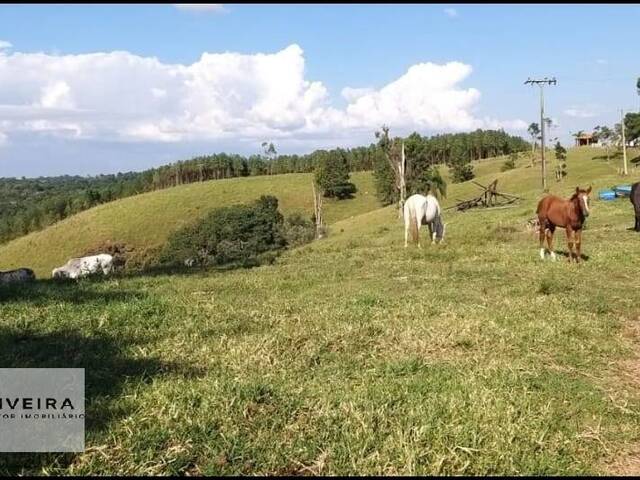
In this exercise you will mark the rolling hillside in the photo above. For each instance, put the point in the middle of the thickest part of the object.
(143, 222)
(354, 355)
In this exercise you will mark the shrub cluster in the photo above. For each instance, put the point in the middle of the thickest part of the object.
(238, 236)
(510, 163)
(298, 230)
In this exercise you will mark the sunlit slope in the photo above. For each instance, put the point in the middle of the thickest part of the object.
(354, 355)
(585, 168)
(143, 222)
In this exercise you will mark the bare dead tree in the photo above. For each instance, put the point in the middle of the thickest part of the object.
(317, 209)
(489, 198)
(395, 155)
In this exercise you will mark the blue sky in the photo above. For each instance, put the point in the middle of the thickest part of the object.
(62, 112)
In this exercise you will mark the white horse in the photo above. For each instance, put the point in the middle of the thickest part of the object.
(419, 210)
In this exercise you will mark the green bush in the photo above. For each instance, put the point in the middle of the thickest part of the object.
(332, 174)
(510, 163)
(461, 172)
(237, 235)
(298, 230)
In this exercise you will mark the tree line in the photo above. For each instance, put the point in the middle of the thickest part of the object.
(29, 204)
(425, 154)
(222, 165)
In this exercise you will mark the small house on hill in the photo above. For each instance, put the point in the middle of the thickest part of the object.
(585, 139)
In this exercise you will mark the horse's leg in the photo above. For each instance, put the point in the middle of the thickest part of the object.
(570, 239)
(543, 225)
(419, 217)
(407, 224)
(578, 235)
(406, 232)
(550, 233)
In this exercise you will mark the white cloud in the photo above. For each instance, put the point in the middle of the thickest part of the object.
(200, 7)
(427, 97)
(56, 95)
(578, 112)
(601, 61)
(5, 45)
(158, 92)
(3, 139)
(451, 12)
(119, 96)
(353, 94)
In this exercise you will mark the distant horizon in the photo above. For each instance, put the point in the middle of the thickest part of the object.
(89, 92)
(185, 159)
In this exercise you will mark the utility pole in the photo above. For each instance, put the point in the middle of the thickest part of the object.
(541, 84)
(624, 144)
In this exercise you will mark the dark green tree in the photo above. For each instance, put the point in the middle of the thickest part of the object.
(461, 171)
(332, 174)
(237, 234)
(561, 162)
(632, 126)
(422, 175)
(534, 132)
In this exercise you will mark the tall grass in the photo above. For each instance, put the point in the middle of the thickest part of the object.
(355, 355)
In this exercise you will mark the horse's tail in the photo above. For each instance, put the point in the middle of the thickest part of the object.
(542, 206)
(439, 223)
(414, 224)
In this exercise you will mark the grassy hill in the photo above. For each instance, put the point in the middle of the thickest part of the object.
(143, 222)
(355, 355)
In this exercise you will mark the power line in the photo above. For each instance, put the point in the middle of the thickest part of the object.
(594, 80)
(541, 84)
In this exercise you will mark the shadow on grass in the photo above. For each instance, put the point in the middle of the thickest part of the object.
(613, 155)
(108, 369)
(54, 291)
(565, 253)
(168, 270)
(635, 161)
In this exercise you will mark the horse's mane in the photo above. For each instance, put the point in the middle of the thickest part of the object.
(575, 194)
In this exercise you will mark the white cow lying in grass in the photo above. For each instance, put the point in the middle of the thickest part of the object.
(81, 267)
(17, 276)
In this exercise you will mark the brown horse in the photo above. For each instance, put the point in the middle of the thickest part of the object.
(569, 214)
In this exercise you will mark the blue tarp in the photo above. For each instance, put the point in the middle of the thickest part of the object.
(607, 195)
(623, 190)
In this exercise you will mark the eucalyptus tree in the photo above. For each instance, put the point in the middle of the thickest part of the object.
(605, 136)
(534, 132)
